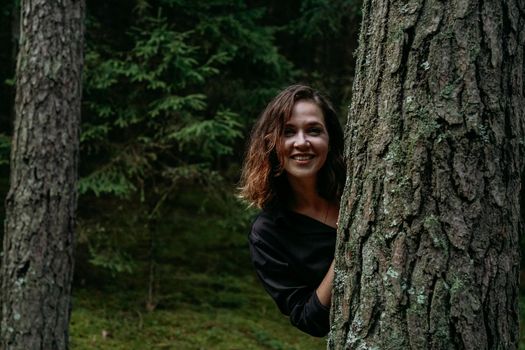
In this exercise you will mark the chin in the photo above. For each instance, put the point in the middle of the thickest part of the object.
(303, 175)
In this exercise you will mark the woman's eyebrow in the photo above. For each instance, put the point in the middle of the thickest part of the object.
(314, 124)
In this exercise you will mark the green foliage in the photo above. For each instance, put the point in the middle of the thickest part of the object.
(320, 38)
(147, 105)
(208, 139)
(166, 103)
(324, 18)
(109, 179)
(105, 250)
(112, 259)
(141, 93)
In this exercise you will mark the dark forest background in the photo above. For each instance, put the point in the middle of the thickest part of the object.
(171, 90)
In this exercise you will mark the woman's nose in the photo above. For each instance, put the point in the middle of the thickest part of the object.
(301, 140)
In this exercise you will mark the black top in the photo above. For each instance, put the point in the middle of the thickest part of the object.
(291, 254)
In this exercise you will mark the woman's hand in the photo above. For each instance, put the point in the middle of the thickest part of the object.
(324, 291)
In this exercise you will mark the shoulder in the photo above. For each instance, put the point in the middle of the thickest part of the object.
(264, 221)
(267, 226)
(267, 237)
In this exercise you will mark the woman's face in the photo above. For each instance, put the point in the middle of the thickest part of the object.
(305, 141)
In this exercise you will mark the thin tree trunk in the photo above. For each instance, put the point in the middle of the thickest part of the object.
(151, 302)
(427, 254)
(37, 266)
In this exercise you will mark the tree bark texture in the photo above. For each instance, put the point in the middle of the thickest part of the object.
(37, 263)
(427, 254)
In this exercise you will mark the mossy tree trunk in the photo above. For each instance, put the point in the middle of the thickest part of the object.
(427, 254)
(37, 263)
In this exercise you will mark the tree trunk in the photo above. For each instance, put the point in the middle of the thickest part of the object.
(427, 254)
(37, 266)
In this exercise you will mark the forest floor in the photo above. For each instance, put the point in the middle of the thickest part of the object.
(117, 321)
(206, 293)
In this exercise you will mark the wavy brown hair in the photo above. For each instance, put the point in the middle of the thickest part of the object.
(263, 183)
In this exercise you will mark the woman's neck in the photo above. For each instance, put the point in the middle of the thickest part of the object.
(305, 195)
(307, 201)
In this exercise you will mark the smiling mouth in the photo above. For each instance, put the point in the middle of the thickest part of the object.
(303, 157)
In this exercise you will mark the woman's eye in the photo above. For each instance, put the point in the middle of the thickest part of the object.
(288, 132)
(315, 131)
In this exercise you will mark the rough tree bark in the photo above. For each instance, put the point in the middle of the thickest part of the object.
(37, 264)
(427, 254)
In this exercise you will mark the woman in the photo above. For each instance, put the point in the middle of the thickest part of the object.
(294, 172)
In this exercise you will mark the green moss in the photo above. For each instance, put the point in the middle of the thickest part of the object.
(396, 154)
(445, 34)
(433, 227)
(420, 298)
(431, 223)
(392, 273)
(206, 293)
(396, 35)
(443, 136)
(118, 320)
(474, 53)
(483, 133)
(457, 285)
(428, 125)
(447, 91)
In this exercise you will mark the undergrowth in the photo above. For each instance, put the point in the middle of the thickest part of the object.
(206, 295)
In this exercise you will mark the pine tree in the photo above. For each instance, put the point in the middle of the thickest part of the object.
(428, 254)
(37, 264)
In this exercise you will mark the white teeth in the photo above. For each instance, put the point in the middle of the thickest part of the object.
(302, 157)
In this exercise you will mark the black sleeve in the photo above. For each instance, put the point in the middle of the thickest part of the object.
(292, 296)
